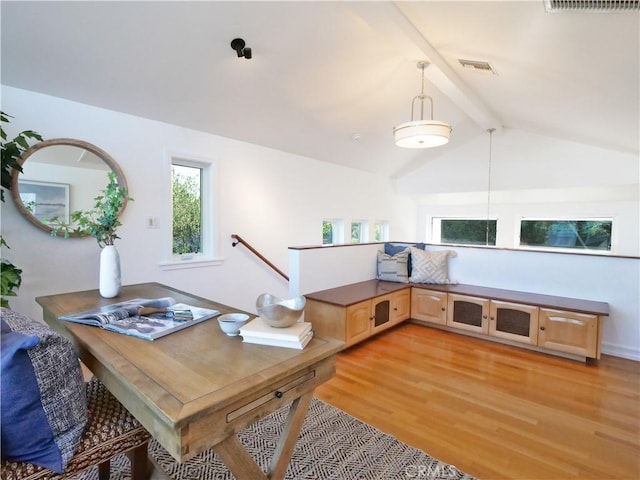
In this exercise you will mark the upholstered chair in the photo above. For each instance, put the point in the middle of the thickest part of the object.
(54, 424)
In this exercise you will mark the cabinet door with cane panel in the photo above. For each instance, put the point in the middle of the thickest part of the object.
(513, 321)
(468, 313)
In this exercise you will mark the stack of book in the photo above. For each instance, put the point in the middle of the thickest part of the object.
(259, 332)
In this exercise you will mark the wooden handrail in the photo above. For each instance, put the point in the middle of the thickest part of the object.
(238, 239)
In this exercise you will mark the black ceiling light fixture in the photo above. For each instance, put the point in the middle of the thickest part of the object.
(238, 45)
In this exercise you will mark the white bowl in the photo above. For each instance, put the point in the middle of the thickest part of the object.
(230, 323)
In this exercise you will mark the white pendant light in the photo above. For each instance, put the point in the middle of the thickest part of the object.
(422, 133)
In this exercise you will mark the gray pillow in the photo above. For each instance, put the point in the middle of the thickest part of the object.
(393, 268)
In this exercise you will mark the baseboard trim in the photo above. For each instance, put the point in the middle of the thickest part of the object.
(621, 351)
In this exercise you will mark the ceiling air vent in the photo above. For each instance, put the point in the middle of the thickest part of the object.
(482, 67)
(601, 6)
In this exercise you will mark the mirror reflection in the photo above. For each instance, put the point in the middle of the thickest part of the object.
(59, 177)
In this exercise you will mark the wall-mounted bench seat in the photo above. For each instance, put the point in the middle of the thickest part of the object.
(563, 326)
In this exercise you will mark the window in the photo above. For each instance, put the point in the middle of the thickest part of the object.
(381, 231)
(359, 232)
(332, 231)
(327, 232)
(464, 231)
(186, 190)
(193, 212)
(582, 234)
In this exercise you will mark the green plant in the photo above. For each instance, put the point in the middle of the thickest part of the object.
(100, 223)
(10, 279)
(10, 275)
(12, 151)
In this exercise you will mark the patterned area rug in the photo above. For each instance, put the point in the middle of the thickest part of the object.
(332, 445)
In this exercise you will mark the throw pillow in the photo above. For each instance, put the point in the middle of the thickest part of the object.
(393, 248)
(43, 403)
(430, 267)
(393, 268)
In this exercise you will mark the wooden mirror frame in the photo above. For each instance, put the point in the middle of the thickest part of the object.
(104, 156)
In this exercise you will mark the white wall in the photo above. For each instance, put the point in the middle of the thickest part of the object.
(520, 160)
(329, 267)
(271, 198)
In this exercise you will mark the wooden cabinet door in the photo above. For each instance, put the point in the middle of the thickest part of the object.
(468, 313)
(429, 306)
(381, 313)
(513, 321)
(570, 332)
(358, 322)
(400, 306)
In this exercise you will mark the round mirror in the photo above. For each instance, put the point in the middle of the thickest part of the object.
(61, 176)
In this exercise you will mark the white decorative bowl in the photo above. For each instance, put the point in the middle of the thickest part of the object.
(280, 313)
(230, 323)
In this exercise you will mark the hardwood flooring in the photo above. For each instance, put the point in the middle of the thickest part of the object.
(494, 411)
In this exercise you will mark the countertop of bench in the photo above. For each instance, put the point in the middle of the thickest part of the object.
(353, 293)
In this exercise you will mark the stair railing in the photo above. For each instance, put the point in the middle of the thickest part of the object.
(238, 239)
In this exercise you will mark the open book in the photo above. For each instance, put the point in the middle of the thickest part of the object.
(131, 317)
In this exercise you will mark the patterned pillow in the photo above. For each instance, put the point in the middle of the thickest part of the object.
(43, 402)
(393, 268)
(430, 267)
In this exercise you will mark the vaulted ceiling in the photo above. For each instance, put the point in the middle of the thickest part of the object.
(329, 80)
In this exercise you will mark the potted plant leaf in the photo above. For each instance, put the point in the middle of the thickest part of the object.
(10, 278)
(10, 275)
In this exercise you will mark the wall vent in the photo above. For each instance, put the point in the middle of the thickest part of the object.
(602, 6)
(482, 67)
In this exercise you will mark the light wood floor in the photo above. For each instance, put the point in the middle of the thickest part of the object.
(491, 410)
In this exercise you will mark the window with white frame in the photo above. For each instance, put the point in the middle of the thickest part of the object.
(359, 231)
(332, 231)
(464, 231)
(563, 234)
(193, 210)
(381, 231)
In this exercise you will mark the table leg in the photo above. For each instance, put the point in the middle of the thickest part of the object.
(242, 465)
(289, 436)
(238, 460)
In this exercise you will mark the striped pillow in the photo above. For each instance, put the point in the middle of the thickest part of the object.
(393, 268)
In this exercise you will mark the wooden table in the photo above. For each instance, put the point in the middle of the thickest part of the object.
(196, 388)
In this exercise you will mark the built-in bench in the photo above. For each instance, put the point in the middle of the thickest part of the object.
(563, 326)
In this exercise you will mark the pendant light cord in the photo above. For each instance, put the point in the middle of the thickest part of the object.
(422, 97)
(490, 131)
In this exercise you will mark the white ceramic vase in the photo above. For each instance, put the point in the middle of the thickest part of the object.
(110, 281)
